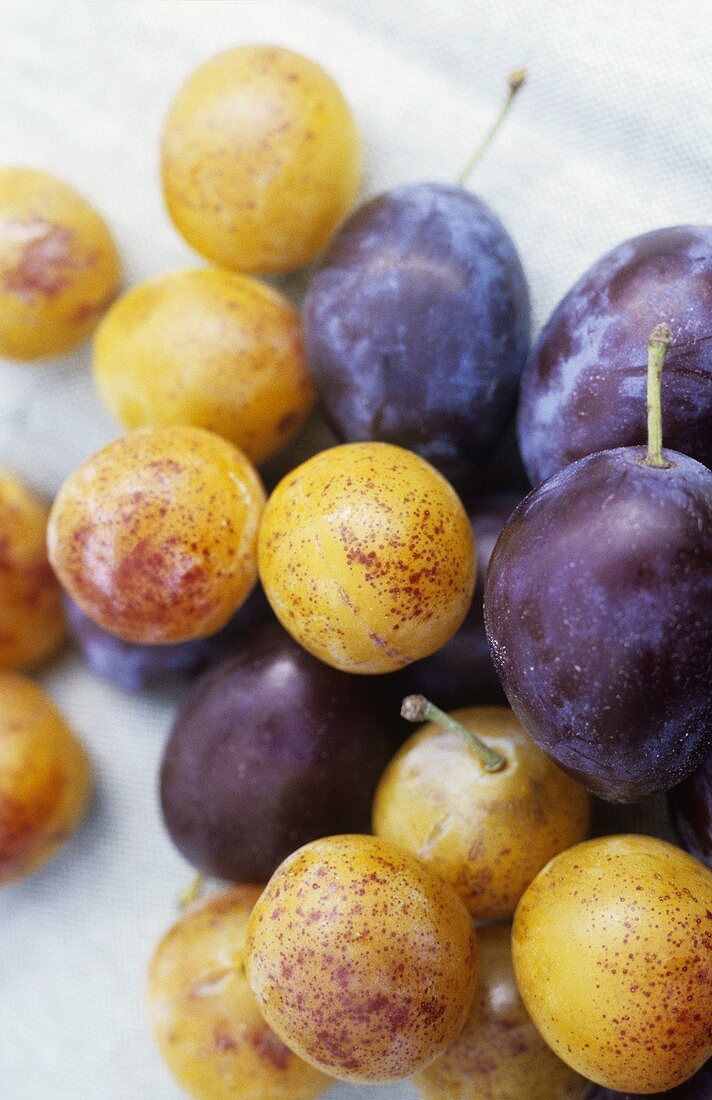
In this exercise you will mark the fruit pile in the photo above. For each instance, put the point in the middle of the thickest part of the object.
(422, 906)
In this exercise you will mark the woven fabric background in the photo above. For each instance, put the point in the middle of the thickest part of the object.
(612, 137)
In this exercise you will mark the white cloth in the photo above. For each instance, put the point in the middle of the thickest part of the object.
(611, 138)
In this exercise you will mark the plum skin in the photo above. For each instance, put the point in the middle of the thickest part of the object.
(487, 834)
(205, 1019)
(499, 1054)
(417, 326)
(209, 348)
(366, 556)
(154, 536)
(598, 607)
(612, 947)
(461, 673)
(45, 778)
(134, 666)
(271, 749)
(32, 626)
(59, 267)
(362, 961)
(583, 388)
(260, 159)
(690, 805)
(697, 1087)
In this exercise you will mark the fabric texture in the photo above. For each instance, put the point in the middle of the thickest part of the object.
(610, 138)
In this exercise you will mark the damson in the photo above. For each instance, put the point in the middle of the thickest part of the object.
(691, 809)
(133, 666)
(583, 389)
(598, 607)
(272, 749)
(417, 326)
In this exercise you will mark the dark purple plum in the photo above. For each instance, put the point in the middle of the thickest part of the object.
(417, 326)
(272, 749)
(697, 1087)
(502, 473)
(691, 809)
(583, 389)
(461, 673)
(598, 607)
(134, 667)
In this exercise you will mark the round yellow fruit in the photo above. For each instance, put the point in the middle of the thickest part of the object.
(207, 348)
(31, 620)
(261, 159)
(486, 833)
(367, 557)
(44, 778)
(59, 267)
(499, 1054)
(205, 1018)
(612, 949)
(360, 959)
(155, 536)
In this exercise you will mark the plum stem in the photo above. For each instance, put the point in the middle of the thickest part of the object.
(514, 83)
(416, 708)
(192, 892)
(658, 344)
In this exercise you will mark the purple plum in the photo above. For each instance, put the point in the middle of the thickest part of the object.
(417, 326)
(271, 749)
(502, 473)
(583, 388)
(691, 809)
(134, 667)
(598, 607)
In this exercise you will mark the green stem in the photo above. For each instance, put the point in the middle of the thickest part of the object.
(658, 344)
(192, 892)
(514, 83)
(416, 708)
